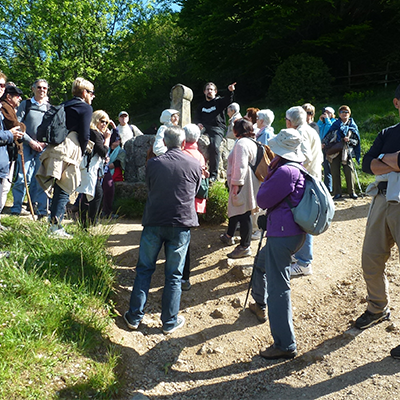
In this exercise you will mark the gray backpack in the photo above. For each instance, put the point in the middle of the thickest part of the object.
(316, 209)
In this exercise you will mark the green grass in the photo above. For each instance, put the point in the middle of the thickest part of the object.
(54, 308)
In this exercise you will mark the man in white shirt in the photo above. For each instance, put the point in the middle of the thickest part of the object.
(126, 131)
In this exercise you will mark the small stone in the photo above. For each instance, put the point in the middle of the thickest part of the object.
(392, 328)
(236, 303)
(217, 314)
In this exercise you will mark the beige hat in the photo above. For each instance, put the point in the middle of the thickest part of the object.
(287, 145)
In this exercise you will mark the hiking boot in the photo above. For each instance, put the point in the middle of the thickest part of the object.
(180, 321)
(296, 269)
(260, 313)
(395, 353)
(225, 239)
(57, 232)
(273, 353)
(131, 324)
(185, 285)
(368, 319)
(240, 252)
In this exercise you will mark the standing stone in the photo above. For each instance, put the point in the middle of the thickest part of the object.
(181, 96)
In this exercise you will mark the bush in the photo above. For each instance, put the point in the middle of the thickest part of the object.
(300, 78)
(376, 123)
(217, 204)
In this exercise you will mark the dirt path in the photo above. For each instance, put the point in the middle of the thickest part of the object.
(215, 355)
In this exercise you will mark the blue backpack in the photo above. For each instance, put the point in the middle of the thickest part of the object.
(316, 209)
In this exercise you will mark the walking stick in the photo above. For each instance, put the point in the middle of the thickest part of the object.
(21, 152)
(254, 266)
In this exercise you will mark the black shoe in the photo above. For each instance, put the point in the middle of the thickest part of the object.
(337, 196)
(185, 285)
(353, 196)
(395, 353)
(368, 319)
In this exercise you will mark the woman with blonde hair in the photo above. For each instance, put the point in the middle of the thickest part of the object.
(92, 169)
(59, 174)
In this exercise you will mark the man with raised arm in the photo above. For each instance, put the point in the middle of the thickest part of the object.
(210, 115)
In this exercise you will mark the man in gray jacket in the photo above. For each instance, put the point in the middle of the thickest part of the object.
(31, 112)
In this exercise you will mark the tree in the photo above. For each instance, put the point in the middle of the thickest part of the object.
(125, 48)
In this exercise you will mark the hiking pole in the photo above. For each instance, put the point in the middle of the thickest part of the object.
(262, 224)
(21, 152)
(254, 266)
(358, 181)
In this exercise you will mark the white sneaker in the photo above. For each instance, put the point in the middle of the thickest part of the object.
(180, 321)
(296, 270)
(56, 232)
(256, 235)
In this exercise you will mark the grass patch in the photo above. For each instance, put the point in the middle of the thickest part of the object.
(54, 308)
(217, 204)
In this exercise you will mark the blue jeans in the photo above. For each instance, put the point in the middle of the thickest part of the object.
(271, 286)
(305, 255)
(32, 164)
(176, 241)
(58, 204)
(327, 174)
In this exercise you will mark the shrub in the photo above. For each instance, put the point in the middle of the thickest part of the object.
(217, 204)
(376, 123)
(300, 78)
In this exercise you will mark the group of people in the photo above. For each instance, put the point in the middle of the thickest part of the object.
(174, 178)
(92, 155)
(88, 161)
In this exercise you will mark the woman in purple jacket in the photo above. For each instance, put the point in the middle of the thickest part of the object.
(271, 280)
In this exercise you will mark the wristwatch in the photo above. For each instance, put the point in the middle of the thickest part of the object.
(380, 157)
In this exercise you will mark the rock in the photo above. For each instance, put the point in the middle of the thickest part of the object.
(217, 314)
(236, 303)
(242, 271)
(392, 328)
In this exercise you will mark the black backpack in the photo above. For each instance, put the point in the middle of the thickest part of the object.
(53, 128)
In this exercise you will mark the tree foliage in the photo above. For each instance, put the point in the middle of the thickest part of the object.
(300, 78)
(125, 48)
(247, 40)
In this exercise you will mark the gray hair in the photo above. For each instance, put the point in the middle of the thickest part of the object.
(234, 107)
(267, 116)
(192, 132)
(174, 136)
(34, 84)
(297, 116)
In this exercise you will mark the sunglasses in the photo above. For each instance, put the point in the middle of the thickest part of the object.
(310, 113)
(103, 121)
(344, 112)
(2, 85)
(91, 92)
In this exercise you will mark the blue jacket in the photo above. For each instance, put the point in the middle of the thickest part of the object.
(324, 126)
(6, 137)
(343, 130)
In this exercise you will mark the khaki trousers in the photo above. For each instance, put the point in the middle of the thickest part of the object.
(382, 232)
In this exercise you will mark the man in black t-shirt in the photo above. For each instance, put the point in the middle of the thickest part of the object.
(210, 116)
